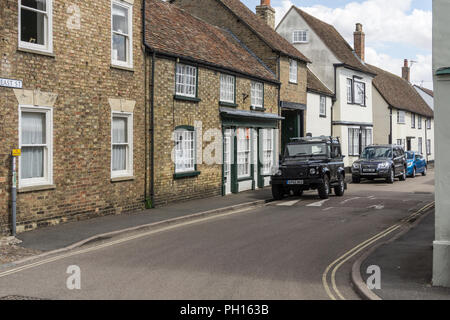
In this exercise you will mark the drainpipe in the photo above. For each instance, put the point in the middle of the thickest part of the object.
(13, 195)
(152, 122)
(426, 140)
(390, 125)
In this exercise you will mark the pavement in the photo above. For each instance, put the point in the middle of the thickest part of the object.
(406, 265)
(288, 249)
(64, 235)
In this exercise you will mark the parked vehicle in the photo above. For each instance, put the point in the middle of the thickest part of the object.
(380, 161)
(416, 163)
(308, 164)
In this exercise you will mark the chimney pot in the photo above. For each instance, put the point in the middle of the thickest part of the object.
(359, 41)
(266, 12)
(265, 3)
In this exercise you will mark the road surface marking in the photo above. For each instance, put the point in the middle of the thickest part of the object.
(376, 207)
(317, 204)
(347, 200)
(329, 208)
(288, 203)
(349, 254)
(115, 242)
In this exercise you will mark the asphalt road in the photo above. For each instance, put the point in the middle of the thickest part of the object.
(278, 251)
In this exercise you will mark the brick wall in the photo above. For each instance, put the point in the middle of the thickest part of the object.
(80, 73)
(289, 91)
(170, 113)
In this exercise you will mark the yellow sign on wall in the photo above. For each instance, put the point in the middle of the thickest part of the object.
(16, 152)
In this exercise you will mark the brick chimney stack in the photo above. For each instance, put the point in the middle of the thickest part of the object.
(359, 41)
(266, 12)
(406, 71)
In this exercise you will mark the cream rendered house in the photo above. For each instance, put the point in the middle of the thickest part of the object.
(401, 116)
(343, 71)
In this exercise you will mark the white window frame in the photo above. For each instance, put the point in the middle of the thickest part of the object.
(349, 90)
(419, 122)
(366, 137)
(182, 73)
(420, 145)
(257, 94)
(129, 62)
(268, 146)
(182, 131)
(401, 117)
(356, 92)
(323, 106)
(244, 153)
(293, 71)
(128, 172)
(353, 148)
(428, 147)
(428, 123)
(227, 88)
(48, 33)
(47, 179)
(300, 36)
(413, 120)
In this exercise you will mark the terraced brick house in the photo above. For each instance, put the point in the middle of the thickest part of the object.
(341, 69)
(214, 108)
(256, 31)
(401, 115)
(73, 103)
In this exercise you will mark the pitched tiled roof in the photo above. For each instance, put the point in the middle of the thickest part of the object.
(314, 84)
(334, 41)
(399, 93)
(173, 31)
(266, 33)
(427, 91)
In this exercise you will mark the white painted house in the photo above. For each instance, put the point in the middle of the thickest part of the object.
(427, 95)
(340, 69)
(401, 116)
(318, 107)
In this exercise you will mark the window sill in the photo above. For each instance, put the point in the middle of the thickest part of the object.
(115, 66)
(121, 179)
(228, 104)
(36, 188)
(244, 179)
(182, 175)
(257, 108)
(291, 82)
(35, 51)
(183, 98)
(322, 116)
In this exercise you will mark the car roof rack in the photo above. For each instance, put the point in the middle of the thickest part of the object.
(316, 139)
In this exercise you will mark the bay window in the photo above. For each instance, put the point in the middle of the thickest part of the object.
(358, 139)
(121, 34)
(349, 91)
(227, 88)
(36, 25)
(35, 140)
(257, 93)
(243, 152)
(122, 145)
(267, 149)
(184, 150)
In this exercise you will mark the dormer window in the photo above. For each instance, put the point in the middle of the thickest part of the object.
(300, 36)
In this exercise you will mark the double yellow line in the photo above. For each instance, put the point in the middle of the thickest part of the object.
(333, 292)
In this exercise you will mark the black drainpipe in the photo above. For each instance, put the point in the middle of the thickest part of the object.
(390, 125)
(152, 122)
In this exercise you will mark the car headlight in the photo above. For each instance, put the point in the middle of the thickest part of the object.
(383, 165)
(356, 165)
(277, 172)
(312, 171)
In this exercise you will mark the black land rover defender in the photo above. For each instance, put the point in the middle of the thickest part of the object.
(310, 163)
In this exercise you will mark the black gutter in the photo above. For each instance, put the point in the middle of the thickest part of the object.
(331, 95)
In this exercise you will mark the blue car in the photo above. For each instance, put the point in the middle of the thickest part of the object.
(416, 163)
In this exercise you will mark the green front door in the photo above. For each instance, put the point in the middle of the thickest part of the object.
(291, 126)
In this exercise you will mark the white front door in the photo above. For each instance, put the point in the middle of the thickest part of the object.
(227, 156)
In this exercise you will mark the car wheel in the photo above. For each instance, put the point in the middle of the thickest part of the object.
(356, 179)
(340, 189)
(424, 173)
(413, 175)
(298, 193)
(324, 188)
(391, 176)
(277, 191)
(403, 176)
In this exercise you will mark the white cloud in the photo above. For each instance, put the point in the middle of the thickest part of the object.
(386, 23)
